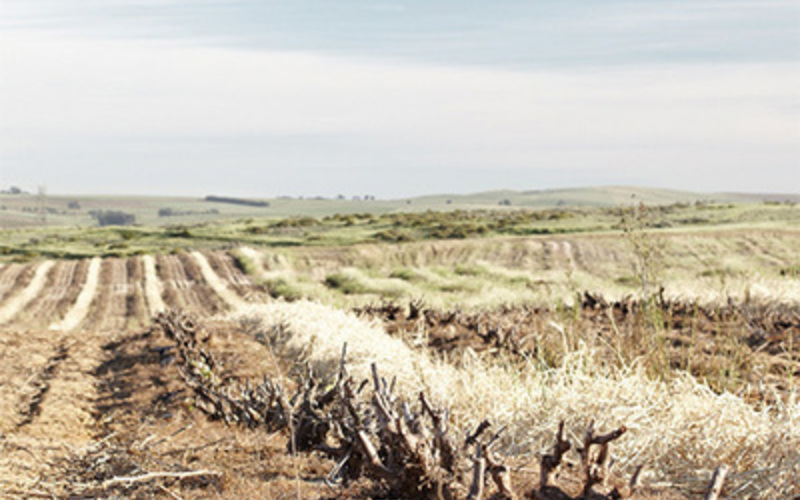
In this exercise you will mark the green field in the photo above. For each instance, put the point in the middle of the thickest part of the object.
(28, 210)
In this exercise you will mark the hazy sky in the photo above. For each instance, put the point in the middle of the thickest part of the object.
(397, 98)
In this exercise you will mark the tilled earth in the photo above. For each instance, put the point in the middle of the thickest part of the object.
(94, 418)
(100, 410)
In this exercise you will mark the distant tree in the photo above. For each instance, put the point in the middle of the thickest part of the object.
(113, 218)
(74, 205)
(237, 201)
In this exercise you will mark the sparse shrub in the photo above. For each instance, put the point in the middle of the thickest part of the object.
(128, 234)
(405, 274)
(178, 232)
(627, 280)
(282, 288)
(393, 235)
(257, 229)
(646, 247)
(244, 263)
(465, 270)
(345, 283)
(294, 222)
(790, 271)
(720, 273)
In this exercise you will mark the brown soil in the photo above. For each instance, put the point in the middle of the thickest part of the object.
(63, 285)
(48, 382)
(225, 266)
(14, 277)
(109, 307)
(84, 413)
(184, 287)
(136, 303)
(80, 411)
(752, 349)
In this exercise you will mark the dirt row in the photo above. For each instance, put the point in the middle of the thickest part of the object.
(123, 298)
(86, 413)
(112, 417)
(63, 392)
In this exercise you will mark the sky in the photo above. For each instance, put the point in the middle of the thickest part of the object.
(398, 98)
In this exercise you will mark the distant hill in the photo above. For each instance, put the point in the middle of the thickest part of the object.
(597, 197)
(24, 210)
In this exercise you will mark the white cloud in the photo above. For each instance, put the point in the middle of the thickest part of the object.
(56, 90)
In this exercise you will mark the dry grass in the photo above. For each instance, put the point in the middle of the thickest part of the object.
(679, 429)
(710, 267)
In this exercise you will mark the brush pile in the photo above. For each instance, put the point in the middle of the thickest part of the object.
(405, 447)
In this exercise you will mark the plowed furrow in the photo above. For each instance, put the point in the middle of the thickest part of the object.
(13, 276)
(153, 288)
(108, 310)
(220, 286)
(223, 264)
(26, 356)
(52, 417)
(41, 383)
(49, 305)
(16, 302)
(136, 305)
(184, 286)
(78, 303)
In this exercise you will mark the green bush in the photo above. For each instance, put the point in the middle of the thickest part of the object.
(404, 274)
(393, 236)
(281, 288)
(345, 283)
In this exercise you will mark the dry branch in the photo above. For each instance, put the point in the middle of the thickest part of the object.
(717, 481)
(403, 446)
(550, 463)
(157, 475)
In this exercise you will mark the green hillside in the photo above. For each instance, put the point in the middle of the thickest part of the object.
(27, 210)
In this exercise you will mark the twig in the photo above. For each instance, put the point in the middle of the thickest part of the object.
(475, 435)
(500, 475)
(635, 478)
(146, 445)
(550, 462)
(717, 481)
(157, 475)
(478, 473)
(169, 492)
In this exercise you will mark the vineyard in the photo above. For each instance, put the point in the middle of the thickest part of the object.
(239, 394)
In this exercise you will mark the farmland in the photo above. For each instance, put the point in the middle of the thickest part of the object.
(679, 323)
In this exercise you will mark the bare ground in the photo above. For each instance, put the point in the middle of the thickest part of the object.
(81, 411)
(14, 303)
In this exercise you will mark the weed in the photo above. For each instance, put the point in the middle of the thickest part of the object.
(647, 249)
